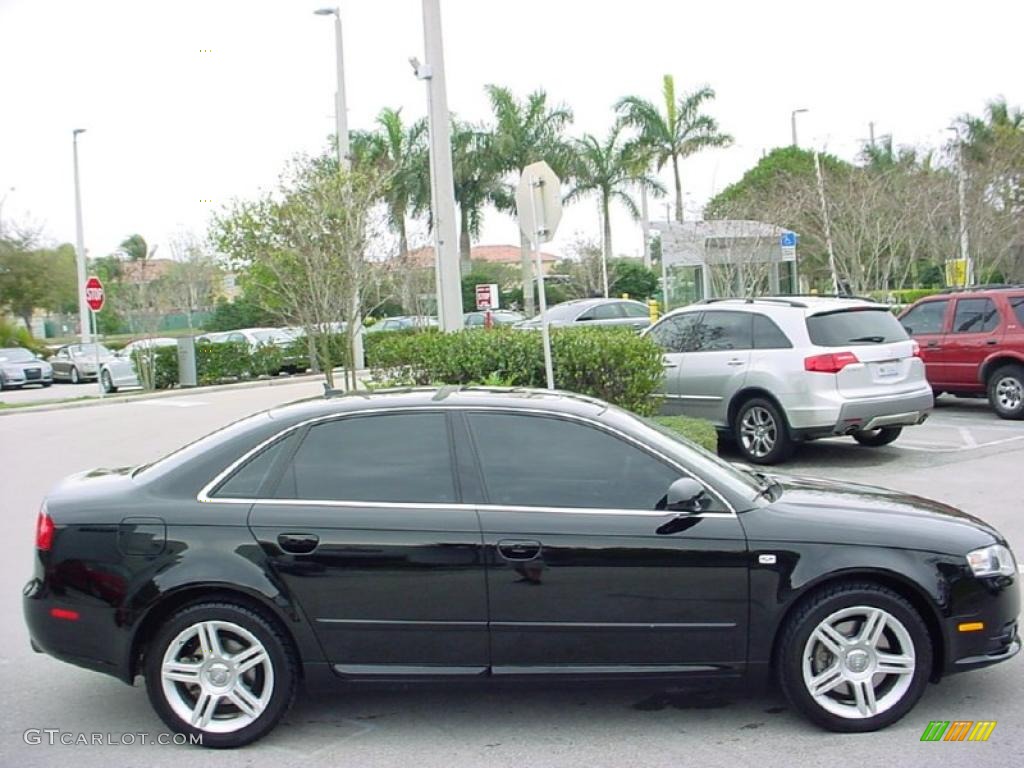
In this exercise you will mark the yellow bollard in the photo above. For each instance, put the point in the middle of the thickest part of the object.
(652, 307)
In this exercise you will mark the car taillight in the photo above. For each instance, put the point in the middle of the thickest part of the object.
(833, 362)
(915, 348)
(44, 531)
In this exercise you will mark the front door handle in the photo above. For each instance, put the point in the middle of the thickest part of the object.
(735, 362)
(518, 550)
(298, 543)
(933, 344)
(992, 342)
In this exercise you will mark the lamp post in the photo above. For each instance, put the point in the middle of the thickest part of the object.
(961, 184)
(340, 109)
(792, 122)
(83, 307)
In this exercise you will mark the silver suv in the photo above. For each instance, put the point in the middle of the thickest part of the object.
(773, 372)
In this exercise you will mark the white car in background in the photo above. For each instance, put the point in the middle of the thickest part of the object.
(76, 363)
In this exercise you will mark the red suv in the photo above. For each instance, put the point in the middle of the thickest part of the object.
(972, 343)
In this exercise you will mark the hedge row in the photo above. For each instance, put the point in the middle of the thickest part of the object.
(611, 364)
(228, 361)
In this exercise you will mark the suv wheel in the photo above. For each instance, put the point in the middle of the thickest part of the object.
(875, 438)
(856, 658)
(222, 672)
(1006, 392)
(761, 432)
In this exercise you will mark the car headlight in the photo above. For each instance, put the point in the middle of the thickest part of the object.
(995, 560)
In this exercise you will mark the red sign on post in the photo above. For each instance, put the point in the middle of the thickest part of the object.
(94, 293)
(487, 296)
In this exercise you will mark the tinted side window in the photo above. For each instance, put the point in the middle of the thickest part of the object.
(402, 457)
(1017, 305)
(474, 321)
(725, 330)
(975, 316)
(767, 335)
(602, 312)
(677, 333)
(634, 310)
(548, 462)
(925, 318)
(247, 480)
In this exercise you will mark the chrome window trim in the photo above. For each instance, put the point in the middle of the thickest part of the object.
(204, 497)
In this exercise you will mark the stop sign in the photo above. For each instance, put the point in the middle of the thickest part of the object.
(94, 293)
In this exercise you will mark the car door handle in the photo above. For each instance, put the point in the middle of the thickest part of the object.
(992, 342)
(298, 543)
(519, 550)
(667, 363)
(735, 362)
(932, 344)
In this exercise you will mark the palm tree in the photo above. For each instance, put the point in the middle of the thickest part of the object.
(980, 134)
(526, 131)
(478, 180)
(399, 152)
(608, 169)
(678, 132)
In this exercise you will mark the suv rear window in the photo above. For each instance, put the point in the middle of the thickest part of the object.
(855, 326)
(1017, 304)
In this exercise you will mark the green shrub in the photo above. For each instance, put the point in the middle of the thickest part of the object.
(16, 336)
(699, 431)
(611, 364)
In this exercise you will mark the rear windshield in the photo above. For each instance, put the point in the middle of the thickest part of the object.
(855, 326)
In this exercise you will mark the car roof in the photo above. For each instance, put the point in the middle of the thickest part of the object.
(806, 305)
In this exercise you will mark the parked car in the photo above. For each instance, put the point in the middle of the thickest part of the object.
(599, 312)
(19, 368)
(153, 343)
(498, 317)
(76, 363)
(257, 337)
(403, 323)
(390, 537)
(774, 372)
(972, 343)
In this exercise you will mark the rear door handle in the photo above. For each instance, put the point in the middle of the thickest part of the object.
(735, 362)
(992, 342)
(518, 550)
(932, 344)
(298, 543)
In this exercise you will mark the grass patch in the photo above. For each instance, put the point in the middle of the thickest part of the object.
(700, 431)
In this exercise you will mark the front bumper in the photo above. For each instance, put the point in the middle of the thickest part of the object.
(995, 603)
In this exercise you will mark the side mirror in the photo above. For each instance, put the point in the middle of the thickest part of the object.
(685, 495)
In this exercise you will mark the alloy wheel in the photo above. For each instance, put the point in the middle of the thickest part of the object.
(1009, 393)
(858, 662)
(758, 431)
(217, 676)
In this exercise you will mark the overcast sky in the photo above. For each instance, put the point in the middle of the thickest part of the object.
(170, 126)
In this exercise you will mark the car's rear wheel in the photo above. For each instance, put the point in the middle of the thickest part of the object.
(1006, 392)
(761, 432)
(75, 378)
(875, 438)
(221, 671)
(107, 382)
(855, 657)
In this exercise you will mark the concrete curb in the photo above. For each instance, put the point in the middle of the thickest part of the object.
(134, 397)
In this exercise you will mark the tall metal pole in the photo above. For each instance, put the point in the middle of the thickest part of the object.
(828, 226)
(792, 123)
(541, 226)
(449, 283)
(83, 306)
(961, 183)
(645, 225)
(341, 107)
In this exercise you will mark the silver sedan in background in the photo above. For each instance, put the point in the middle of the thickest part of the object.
(597, 312)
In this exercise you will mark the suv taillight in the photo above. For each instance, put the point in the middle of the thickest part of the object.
(915, 348)
(44, 531)
(833, 362)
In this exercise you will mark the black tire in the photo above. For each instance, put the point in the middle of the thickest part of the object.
(827, 603)
(1006, 392)
(876, 438)
(47, 384)
(280, 656)
(107, 383)
(73, 377)
(760, 412)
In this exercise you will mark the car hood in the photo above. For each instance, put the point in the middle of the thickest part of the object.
(21, 365)
(813, 510)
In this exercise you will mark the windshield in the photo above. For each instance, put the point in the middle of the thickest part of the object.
(91, 350)
(16, 355)
(561, 313)
(863, 325)
(274, 337)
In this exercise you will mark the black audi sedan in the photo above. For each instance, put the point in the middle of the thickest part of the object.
(479, 533)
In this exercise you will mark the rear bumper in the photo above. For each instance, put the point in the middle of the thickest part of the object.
(844, 417)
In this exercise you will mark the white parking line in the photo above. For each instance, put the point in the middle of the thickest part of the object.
(931, 449)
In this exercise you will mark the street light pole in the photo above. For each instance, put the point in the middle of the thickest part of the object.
(449, 285)
(792, 123)
(83, 306)
(961, 184)
(340, 107)
(826, 222)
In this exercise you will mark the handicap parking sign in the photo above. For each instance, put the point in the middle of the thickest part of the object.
(787, 239)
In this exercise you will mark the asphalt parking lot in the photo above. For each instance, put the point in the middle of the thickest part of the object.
(963, 455)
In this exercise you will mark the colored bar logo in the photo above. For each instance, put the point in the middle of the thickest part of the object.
(958, 730)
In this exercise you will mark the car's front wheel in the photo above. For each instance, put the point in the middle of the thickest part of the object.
(220, 671)
(856, 657)
(1006, 392)
(75, 378)
(107, 382)
(876, 438)
(761, 432)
